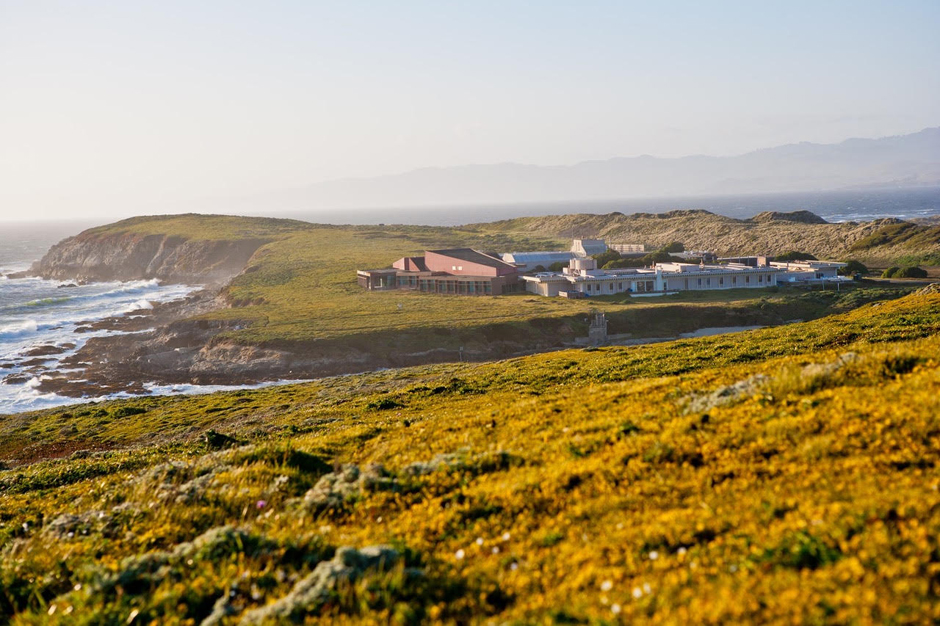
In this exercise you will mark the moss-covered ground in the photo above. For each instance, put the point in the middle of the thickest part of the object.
(787, 474)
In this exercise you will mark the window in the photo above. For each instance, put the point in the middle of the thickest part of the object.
(611, 286)
(708, 282)
(699, 282)
(734, 280)
(721, 280)
(747, 279)
(619, 286)
(760, 278)
(460, 268)
(453, 268)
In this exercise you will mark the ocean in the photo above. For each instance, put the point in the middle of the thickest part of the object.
(38, 313)
(38, 318)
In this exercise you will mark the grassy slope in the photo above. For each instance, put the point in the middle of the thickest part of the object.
(584, 483)
(301, 288)
(876, 242)
(202, 227)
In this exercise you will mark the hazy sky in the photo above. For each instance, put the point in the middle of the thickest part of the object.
(122, 107)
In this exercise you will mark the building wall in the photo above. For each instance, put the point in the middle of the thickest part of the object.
(441, 263)
(721, 281)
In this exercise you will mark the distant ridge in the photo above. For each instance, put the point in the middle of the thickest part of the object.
(801, 217)
(903, 161)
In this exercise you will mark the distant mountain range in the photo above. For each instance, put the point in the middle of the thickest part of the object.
(903, 161)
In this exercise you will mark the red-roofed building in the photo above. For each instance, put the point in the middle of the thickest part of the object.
(458, 271)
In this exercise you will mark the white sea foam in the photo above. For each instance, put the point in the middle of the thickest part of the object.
(18, 329)
(36, 312)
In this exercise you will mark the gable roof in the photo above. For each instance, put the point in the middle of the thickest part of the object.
(473, 256)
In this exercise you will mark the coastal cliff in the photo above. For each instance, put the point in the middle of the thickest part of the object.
(193, 249)
(130, 256)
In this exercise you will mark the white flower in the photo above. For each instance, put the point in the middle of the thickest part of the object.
(459, 555)
(514, 566)
(505, 536)
(646, 588)
(615, 609)
(479, 541)
(654, 555)
(637, 592)
(495, 549)
(681, 551)
(607, 585)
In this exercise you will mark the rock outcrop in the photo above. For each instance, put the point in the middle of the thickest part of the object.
(92, 256)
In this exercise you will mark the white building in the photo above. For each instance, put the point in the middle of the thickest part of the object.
(588, 247)
(803, 271)
(583, 277)
(527, 261)
(628, 248)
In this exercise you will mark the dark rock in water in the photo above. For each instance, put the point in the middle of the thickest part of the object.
(7, 366)
(16, 379)
(47, 349)
(66, 286)
(800, 217)
(34, 362)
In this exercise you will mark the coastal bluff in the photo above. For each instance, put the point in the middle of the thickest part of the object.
(189, 249)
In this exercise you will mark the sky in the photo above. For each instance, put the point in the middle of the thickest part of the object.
(114, 108)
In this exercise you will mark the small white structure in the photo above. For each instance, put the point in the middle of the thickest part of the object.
(805, 271)
(628, 248)
(588, 247)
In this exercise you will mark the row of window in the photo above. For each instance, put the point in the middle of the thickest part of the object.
(721, 281)
(455, 286)
(640, 286)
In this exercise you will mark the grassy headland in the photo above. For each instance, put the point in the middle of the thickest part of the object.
(786, 474)
(294, 308)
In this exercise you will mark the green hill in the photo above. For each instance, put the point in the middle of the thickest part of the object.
(786, 474)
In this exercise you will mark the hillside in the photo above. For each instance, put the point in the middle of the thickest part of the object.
(787, 474)
(876, 242)
(290, 306)
(184, 249)
(293, 309)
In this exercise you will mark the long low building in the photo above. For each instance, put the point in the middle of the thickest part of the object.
(458, 271)
(528, 261)
(809, 271)
(583, 278)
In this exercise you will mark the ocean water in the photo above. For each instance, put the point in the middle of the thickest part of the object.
(35, 312)
(833, 206)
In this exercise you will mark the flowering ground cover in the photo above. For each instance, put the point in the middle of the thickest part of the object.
(787, 474)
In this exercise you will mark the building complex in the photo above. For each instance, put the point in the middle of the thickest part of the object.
(464, 271)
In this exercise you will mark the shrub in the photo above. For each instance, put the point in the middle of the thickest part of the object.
(911, 272)
(606, 257)
(891, 272)
(853, 267)
(675, 246)
(557, 266)
(795, 255)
